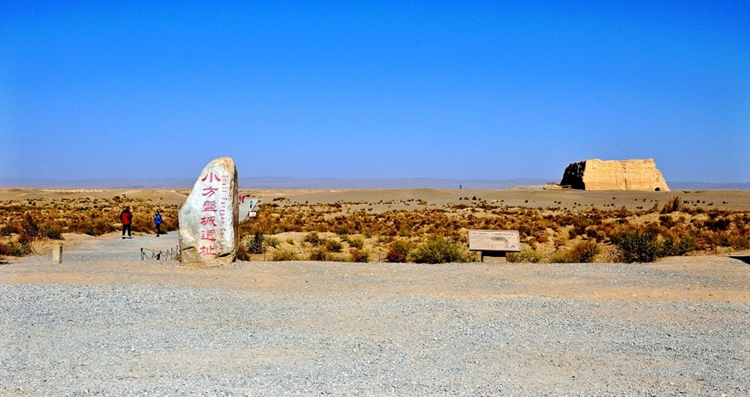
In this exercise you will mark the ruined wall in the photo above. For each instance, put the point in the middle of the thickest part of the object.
(614, 175)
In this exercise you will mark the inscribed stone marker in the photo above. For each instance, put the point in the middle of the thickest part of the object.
(209, 219)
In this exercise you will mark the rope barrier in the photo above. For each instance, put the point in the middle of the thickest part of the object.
(167, 255)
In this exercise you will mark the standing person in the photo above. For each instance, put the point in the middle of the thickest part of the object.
(126, 217)
(157, 221)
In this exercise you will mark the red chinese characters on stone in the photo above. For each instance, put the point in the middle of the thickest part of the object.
(209, 191)
(208, 221)
(209, 235)
(207, 250)
(209, 206)
(214, 190)
(210, 177)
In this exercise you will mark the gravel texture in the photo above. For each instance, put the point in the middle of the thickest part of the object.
(153, 328)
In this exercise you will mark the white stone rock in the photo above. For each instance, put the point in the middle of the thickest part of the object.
(209, 219)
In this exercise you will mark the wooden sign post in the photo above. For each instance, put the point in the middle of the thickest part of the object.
(496, 243)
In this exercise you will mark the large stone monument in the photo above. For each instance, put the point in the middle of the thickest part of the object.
(210, 216)
(614, 175)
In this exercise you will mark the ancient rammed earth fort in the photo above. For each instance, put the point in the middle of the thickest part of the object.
(614, 175)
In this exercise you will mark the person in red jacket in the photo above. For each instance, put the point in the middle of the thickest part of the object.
(126, 217)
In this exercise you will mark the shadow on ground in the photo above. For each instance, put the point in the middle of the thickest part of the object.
(744, 258)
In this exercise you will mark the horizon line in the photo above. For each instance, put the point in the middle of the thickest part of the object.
(328, 182)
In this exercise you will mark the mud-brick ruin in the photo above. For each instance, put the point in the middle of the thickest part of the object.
(614, 175)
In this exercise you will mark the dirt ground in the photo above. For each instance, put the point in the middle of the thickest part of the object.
(710, 278)
(737, 200)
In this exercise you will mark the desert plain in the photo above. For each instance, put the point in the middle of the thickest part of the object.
(105, 322)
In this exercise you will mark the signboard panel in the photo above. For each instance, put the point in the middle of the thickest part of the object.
(494, 240)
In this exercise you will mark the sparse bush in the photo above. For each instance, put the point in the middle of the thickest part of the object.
(242, 253)
(271, 242)
(525, 256)
(319, 254)
(638, 245)
(256, 244)
(398, 251)
(313, 238)
(356, 242)
(677, 246)
(54, 233)
(584, 252)
(30, 227)
(14, 249)
(438, 250)
(7, 230)
(739, 242)
(673, 205)
(143, 223)
(333, 245)
(283, 255)
(359, 255)
(561, 256)
(667, 221)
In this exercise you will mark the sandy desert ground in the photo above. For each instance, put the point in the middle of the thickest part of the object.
(106, 323)
(532, 197)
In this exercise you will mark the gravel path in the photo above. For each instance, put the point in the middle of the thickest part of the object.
(104, 323)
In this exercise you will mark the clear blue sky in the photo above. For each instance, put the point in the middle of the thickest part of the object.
(385, 89)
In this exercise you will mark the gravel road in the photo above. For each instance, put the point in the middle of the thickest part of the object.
(105, 323)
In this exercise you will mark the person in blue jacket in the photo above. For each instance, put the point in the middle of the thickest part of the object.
(158, 221)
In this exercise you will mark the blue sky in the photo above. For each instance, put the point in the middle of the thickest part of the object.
(420, 89)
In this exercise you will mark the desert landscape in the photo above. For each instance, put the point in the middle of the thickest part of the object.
(474, 198)
(366, 225)
(323, 321)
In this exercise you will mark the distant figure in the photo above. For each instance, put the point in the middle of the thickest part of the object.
(460, 186)
(126, 217)
(157, 221)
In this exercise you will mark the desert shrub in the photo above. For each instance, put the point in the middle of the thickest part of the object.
(256, 244)
(398, 251)
(359, 255)
(30, 227)
(313, 238)
(319, 254)
(14, 248)
(638, 245)
(673, 205)
(7, 230)
(53, 232)
(525, 256)
(356, 242)
(242, 253)
(672, 245)
(438, 250)
(584, 252)
(96, 227)
(4, 249)
(283, 255)
(717, 224)
(562, 256)
(143, 223)
(271, 242)
(333, 245)
(667, 221)
(739, 242)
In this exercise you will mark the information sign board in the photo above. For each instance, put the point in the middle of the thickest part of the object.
(494, 240)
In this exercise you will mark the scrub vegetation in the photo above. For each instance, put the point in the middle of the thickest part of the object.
(347, 231)
(24, 222)
(412, 231)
